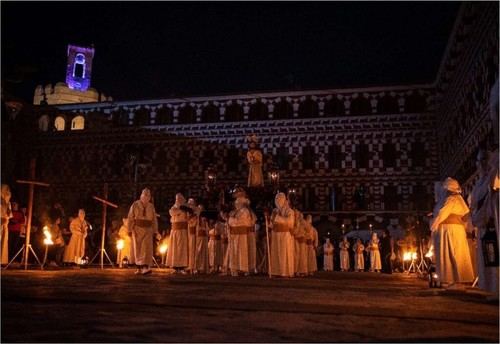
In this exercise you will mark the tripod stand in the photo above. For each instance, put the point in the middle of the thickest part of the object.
(30, 248)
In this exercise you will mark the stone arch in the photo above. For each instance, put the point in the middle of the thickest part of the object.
(164, 115)
(334, 107)
(283, 109)
(120, 117)
(415, 103)
(187, 115)
(60, 123)
(361, 106)
(258, 112)
(387, 105)
(78, 123)
(141, 117)
(210, 113)
(234, 113)
(43, 123)
(308, 108)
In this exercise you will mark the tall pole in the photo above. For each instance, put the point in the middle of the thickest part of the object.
(105, 193)
(30, 212)
(268, 246)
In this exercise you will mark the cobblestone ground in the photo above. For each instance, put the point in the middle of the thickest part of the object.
(112, 305)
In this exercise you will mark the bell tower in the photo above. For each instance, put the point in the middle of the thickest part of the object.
(79, 68)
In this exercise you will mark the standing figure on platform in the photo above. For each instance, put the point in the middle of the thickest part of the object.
(453, 265)
(6, 215)
(127, 251)
(75, 250)
(240, 222)
(344, 254)
(312, 245)
(300, 244)
(359, 259)
(328, 255)
(201, 259)
(282, 242)
(177, 253)
(143, 224)
(193, 223)
(374, 249)
(215, 253)
(254, 158)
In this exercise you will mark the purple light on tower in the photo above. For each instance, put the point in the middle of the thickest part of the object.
(79, 69)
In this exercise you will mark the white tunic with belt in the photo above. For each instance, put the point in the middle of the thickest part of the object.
(143, 224)
(177, 254)
(75, 250)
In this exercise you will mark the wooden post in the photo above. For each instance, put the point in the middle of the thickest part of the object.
(268, 246)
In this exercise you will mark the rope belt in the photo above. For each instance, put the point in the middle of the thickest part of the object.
(309, 242)
(277, 227)
(179, 225)
(192, 230)
(143, 223)
(453, 219)
(328, 253)
(301, 240)
(239, 230)
(215, 237)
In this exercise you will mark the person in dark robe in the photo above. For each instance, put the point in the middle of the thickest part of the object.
(386, 250)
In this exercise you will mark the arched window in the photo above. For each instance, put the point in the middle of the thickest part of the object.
(415, 103)
(78, 123)
(258, 111)
(334, 107)
(187, 115)
(210, 113)
(164, 116)
(141, 117)
(59, 123)
(234, 113)
(387, 105)
(79, 66)
(283, 110)
(308, 108)
(43, 123)
(361, 106)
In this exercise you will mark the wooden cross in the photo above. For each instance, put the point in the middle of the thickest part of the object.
(105, 203)
(32, 184)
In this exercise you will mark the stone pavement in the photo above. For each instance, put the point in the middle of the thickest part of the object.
(91, 305)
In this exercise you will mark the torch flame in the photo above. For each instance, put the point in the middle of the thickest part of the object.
(407, 256)
(48, 236)
(163, 248)
(120, 244)
(430, 253)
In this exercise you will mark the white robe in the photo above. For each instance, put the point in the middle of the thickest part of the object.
(142, 235)
(252, 250)
(344, 256)
(6, 215)
(75, 250)
(238, 240)
(453, 265)
(127, 250)
(201, 259)
(177, 253)
(192, 229)
(359, 259)
(328, 257)
(282, 244)
(215, 254)
(375, 262)
(312, 263)
(300, 244)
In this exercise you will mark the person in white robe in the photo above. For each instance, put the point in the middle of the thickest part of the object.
(312, 245)
(6, 211)
(344, 254)
(75, 250)
(328, 255)
(177, 253)
(127, 252)
(215, 249)
(201, 259)
(478, 201)
(453, 265)
(143, 224)
(374, 250)
(193, 224)
(300, 244)
(240, 222)
(359, 259)
(251, 240)
(282, 242)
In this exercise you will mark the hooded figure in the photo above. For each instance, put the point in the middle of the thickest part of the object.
(300, 244)
(312, 244)
(177, 253)
(201, 259)
(215, 253)
(453, 265)
(344, 254)
(282, 241)
(328, 255)
(359, 259)
(75, 250)
(373, 247)
(240, 222)
(142, 223)
(6, 215)
(193, 224)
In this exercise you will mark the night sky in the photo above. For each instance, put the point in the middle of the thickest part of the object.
(163, 49)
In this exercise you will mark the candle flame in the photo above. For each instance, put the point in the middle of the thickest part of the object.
(120, 244)
(163, 248)
(48, 236)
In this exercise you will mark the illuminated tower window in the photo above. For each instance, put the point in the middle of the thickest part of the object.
(79, 67)
(59, 123)
(78, 123)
